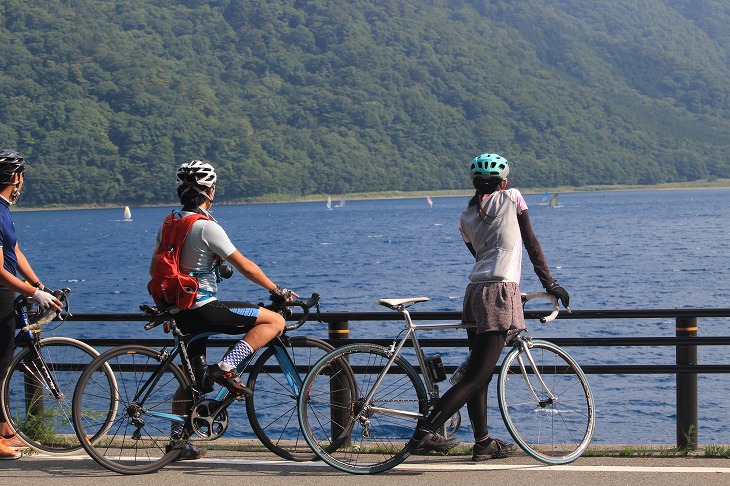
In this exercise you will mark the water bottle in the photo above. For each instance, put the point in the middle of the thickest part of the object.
(459, 373)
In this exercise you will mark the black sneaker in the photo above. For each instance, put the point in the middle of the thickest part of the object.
(230, 380)
(432, 442)
(493, 449)
(188, 452)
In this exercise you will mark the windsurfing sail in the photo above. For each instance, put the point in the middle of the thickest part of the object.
(545, 199)
(428, 200)
(554, 201)
(329, 203)
(342, 203)
(127, 214)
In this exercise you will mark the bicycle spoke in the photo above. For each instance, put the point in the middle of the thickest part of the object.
(346, 431)
(39, 412)
(272, 411)
(137, 433)
(554, 425)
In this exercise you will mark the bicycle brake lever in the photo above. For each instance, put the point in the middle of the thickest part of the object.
(319, 314)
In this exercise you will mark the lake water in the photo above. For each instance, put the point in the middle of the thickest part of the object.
(611, 250)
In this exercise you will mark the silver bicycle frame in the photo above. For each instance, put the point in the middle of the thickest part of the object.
(395, 349)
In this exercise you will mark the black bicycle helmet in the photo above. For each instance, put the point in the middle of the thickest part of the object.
(10, 163)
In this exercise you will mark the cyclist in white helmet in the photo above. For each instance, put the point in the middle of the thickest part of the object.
(12, 263)
(205, 245)
(494, 227)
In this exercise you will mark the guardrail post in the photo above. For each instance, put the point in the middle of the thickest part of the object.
(339, 330)
(687, 386)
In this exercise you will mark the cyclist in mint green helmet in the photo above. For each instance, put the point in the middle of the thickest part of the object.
(494, 227)
(489, 165)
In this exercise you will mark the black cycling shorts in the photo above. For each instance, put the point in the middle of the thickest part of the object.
(217, 316)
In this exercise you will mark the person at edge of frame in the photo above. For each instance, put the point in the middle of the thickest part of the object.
(12, 263)
(494, 226)
(205, 245)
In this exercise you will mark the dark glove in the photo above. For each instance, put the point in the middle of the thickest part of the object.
(279, 295)
(557, 291)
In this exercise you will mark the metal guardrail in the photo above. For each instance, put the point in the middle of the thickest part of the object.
(685, 343)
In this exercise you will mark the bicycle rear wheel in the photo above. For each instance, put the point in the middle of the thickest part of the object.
(554, 424)
(40, 417)
(272, 410)
(137, 441)
(345, 431)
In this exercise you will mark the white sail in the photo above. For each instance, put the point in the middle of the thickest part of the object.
(127, 214)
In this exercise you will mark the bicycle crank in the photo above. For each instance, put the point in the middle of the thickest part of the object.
(208, 420)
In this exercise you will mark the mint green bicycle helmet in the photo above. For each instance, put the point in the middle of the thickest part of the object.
(487, 166)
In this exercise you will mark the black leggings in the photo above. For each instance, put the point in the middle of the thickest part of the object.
(7, 333)
(486, 348)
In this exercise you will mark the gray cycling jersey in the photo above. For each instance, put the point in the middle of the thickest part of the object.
(205, 240)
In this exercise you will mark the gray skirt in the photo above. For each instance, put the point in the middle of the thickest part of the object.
(494, 306)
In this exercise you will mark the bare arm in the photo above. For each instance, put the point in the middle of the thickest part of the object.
(250, 270)
(14, 283)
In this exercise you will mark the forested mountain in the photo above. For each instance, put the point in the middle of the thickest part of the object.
(294, 97)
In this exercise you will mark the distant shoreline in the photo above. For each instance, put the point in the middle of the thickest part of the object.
(703, 184)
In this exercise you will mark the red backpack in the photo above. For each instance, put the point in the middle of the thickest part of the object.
(168, 286)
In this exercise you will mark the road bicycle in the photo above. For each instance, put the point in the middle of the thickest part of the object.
(153, 392)
(544, 398)
(36, 393)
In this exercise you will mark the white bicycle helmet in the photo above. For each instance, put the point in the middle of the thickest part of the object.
(195, 175)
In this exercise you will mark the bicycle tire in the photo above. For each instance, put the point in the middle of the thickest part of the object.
(37, 416)
(341, 430)
(272, 410)
(551, 432)
(136, 442)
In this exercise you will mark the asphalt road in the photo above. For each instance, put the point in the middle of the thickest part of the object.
(221, 468)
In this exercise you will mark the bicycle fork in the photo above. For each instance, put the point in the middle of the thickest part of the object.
(551, 399)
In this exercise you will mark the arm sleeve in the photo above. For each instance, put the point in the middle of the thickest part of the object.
(466, 240)
(534, 250)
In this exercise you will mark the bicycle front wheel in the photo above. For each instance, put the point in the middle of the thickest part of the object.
(147, 401)
(37, 393)
(548, 410)
(343, 427)
(276, 379)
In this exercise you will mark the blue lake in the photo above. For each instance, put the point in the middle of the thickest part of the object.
(611, 250)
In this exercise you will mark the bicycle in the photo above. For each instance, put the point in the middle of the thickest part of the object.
(37, 391)
(544, 398)
(154, 392)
